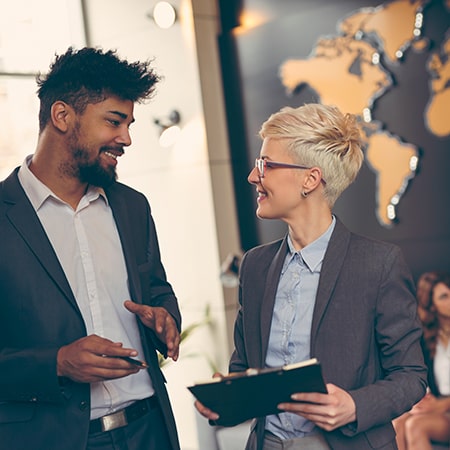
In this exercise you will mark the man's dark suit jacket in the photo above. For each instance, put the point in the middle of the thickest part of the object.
(39, 314)
(364, 332)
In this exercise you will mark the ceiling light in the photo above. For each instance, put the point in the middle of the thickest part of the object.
(169, 129)
(164, 14)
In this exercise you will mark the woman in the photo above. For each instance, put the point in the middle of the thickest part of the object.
(324, 292)
(429, 420)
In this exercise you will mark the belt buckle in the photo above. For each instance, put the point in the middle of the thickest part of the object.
(113, 421)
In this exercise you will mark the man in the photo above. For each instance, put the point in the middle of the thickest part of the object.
(82, 287)
(324, 292)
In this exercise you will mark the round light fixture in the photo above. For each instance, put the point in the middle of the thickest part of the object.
(169, 136)
(169, 129)
(164, 14)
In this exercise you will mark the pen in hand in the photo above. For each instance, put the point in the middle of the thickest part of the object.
(136, 362)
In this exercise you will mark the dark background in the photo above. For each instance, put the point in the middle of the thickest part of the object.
(253, 91)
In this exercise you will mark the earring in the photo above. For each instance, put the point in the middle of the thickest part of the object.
(305, 194)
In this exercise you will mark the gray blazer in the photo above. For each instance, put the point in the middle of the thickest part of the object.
(39, 314)
(365, 332)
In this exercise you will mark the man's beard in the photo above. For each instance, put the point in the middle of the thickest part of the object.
(87, 171)
(93, 173)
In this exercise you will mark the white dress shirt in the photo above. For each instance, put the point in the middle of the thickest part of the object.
(441, 367)
(88, 247)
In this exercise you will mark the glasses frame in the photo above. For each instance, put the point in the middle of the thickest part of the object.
(261, 164)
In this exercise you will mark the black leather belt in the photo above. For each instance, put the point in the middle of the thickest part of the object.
(123, 417)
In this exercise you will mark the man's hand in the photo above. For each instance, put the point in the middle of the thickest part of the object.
(327, 411)
(93, 358)
(161, 322)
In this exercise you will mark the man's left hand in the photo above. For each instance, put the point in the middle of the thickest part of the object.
(161, 322)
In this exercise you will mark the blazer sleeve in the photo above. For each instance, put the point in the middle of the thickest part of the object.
(402, 375)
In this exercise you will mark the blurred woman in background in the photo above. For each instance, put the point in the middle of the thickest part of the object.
(429, 420)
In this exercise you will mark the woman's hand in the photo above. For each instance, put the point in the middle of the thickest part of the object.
(203, 410)
(327, 411)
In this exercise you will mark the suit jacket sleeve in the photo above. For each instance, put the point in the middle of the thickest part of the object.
(401, 377)
(38, 312)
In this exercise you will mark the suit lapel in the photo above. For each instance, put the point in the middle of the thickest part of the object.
(273, 276)
(24, 219)
(121, 217)
(332, 263)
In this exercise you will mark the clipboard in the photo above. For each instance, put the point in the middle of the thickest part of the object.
(257, 392)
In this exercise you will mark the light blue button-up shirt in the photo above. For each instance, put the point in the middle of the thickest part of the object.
(290, 333)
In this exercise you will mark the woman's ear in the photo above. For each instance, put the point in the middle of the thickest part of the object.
(313, 179)
(60, 115)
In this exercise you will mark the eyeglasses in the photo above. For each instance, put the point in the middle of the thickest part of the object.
(262, 164)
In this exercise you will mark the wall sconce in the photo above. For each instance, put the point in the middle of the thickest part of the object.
(164, 14)
(229, 270)
(169, 129)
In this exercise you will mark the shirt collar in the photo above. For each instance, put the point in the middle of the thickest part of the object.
(38, 192)
(313, 253)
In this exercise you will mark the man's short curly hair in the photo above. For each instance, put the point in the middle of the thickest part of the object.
(90, 75)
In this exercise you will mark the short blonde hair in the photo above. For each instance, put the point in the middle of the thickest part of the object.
(320, 136)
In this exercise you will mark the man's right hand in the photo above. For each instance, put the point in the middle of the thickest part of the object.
(93, 358)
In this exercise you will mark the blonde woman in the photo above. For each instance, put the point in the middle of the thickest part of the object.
(325, 292)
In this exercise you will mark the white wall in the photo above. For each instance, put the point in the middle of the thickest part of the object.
(189, 186)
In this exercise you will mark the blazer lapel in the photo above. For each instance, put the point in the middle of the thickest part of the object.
(24, 219)
(120, 213)
(332, 263)
(273, 276)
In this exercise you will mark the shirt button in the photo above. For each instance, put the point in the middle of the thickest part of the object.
(83, 405)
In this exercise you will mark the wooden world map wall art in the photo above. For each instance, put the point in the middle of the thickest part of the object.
(347, 70)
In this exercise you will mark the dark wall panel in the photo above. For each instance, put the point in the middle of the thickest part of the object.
(253, 90)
